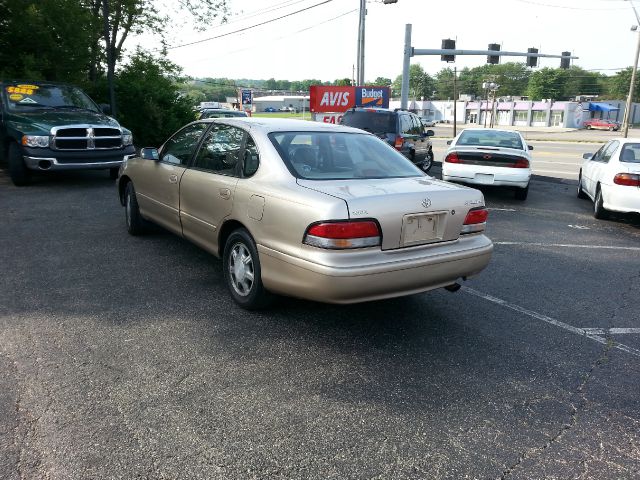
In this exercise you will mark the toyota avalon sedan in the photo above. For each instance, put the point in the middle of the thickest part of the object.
(611, 177)
(308, 210)
(486, 156)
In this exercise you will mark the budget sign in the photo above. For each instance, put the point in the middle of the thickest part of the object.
(372, 97)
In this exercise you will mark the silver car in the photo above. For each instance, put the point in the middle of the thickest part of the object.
(306, 209)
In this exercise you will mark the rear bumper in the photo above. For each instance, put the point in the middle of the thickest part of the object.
(619, 198)
(500, 182)
(51, 160)
(386, 274)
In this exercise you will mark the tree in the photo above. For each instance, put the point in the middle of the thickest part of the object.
(617, 86)
(151, 103)
(382, 82)
(341, 82)
(444, 84)
(547, 83)
(420, 83)
(120, 18)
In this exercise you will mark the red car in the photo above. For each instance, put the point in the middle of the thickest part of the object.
(601, 124)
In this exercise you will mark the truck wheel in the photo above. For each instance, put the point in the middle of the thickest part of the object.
(18, 171)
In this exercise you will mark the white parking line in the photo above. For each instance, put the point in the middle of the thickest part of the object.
(612, 331)
(583, 332)
(568, 245)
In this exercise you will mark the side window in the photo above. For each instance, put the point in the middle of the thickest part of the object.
(417, 125)
(405, 124)
(251, 158)
(220, 150)
(597, 157)
(610, 150)
(179, 148)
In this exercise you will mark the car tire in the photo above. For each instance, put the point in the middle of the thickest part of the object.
(113, 173)
(428, 162)
(136, 225)
(611, 129)
(522, 193)
(599, 211)
(580, 192)
(588, 127)
(242, 272)
(18, 171)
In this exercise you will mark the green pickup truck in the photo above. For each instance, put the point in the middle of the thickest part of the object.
(50, 127)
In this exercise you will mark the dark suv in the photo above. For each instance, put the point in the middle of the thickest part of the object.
(401, 129)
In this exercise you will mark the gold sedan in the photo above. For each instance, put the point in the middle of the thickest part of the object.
(306, 209)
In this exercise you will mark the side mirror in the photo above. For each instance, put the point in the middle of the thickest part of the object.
(449, 142)
(150, 153)
(587, 156)
(106, 108)
(429, 133)
(530, 147)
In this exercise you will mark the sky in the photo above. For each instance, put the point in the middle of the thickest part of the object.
(321, 41)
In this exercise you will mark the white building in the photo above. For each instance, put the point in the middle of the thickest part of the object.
(298, 102)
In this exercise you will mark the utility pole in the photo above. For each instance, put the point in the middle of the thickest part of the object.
(627, 111)
(110, 60)
(455, 103)
(361, 19)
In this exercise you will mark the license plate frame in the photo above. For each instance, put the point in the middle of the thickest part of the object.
(485, 178)
(422, 228)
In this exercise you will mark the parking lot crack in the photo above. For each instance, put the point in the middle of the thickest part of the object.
(577, 402)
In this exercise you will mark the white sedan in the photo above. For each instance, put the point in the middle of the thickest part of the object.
(485, 156)
(611, 177)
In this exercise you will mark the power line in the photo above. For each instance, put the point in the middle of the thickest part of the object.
(250, 27)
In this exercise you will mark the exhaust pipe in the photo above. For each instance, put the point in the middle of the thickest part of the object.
(454, 287)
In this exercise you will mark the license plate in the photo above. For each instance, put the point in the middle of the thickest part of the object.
(420, 228)
(484, 178)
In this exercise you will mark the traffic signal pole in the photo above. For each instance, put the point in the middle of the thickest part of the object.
(409, 52)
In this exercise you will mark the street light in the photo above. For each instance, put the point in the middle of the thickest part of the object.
(493, 87)
(627, 110)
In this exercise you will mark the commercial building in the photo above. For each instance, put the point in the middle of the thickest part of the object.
(522, 112)
(297, 102)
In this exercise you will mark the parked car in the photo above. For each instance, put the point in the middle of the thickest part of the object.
(307, 209)
(611, 177)
(427, 123)
(270, 109)
(221, 113)
(48, 126)
(486, 156)
(601, 124)
(287, 109)
(401, 129)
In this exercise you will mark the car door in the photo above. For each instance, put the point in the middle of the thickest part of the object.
(406, 132)
(599, 168)
(421, 145)
(588, 169)
(158, 187)
(207, 188)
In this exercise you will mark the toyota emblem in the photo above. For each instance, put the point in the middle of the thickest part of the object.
(426, 203)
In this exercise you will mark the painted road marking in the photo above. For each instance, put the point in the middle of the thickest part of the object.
(568, 245)
(543, 318)
(612, 331)
(579, 227)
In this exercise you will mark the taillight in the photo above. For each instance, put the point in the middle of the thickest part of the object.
(475, 221)
(399, 142)
(520, 163)
(627, 179)
(340, 234)
(452, 158)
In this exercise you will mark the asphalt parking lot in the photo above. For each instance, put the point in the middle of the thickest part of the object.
(125, 357)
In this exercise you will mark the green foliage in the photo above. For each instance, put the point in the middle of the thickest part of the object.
(512, 78)
(341, 82)
(151, 105)
(420, 83)
(617, 86)
(382, 82)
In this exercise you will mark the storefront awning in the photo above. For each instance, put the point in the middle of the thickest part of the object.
(602, 107)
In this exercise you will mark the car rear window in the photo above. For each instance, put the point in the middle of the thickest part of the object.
(222, 114)
(340, 156)
(371, 121)
(630, 153)
(490, 138)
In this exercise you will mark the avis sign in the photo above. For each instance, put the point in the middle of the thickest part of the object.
(341, 99)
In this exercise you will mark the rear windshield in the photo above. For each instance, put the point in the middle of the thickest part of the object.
(222, 114)
(21, 96)
(630, 153)
(489, 138)
(340, 156)
(371, 121)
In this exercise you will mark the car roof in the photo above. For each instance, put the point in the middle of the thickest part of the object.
(268, 125)
(501, 130)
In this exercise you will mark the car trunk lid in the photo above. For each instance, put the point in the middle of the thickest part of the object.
(410, 211)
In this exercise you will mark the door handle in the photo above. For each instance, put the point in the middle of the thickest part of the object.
(173, 178)
(225, 193)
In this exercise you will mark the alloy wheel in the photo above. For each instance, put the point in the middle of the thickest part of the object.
(241, 269)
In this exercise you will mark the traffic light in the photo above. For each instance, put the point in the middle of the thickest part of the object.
(493, 59)
(448, 44)
(532, 61)
(565, 62)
